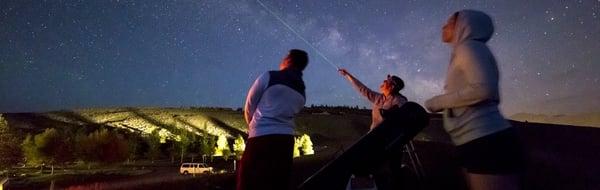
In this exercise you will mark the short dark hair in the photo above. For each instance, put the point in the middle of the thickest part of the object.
(298, 58)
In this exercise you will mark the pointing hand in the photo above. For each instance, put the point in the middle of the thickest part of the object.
(343, 72)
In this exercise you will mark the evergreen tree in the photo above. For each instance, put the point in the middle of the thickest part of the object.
(307, 145)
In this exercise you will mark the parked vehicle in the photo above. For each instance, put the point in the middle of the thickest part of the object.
(194, 168)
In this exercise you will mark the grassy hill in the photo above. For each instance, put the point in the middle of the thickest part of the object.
(200, 121)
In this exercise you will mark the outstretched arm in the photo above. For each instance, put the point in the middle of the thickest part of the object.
(371, 95)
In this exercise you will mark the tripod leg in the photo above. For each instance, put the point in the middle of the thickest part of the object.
(418, 165)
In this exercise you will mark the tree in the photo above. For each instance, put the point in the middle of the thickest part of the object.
(222, 146)
(297, 147)
(153, 141)
(10, 151)
(102, 146)
(207, 144)
(112, 145)
(84, 147)
(32, 155)
(306, 145)
(172, 150)
(184, 143)
(133, 144)
(49, 147)
(303, 146)
(239, 146)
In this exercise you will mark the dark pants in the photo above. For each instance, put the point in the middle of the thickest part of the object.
(266, 163)
(500, 153)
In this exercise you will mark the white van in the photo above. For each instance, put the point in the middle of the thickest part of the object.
(194, 168)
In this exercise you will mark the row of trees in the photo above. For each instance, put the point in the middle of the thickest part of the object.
(336, 110)
(58, 147)
(106, 146)
(54, 146)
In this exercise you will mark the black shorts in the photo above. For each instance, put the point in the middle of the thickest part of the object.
(499, 153)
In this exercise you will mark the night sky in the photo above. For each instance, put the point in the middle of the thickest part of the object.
(99, 53)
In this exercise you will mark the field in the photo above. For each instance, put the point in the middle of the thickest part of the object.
(560, 157)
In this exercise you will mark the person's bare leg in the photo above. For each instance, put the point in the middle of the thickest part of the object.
(492, 182)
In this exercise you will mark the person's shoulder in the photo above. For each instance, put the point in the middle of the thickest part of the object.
(263, 77)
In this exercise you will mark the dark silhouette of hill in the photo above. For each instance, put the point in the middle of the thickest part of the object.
(582, 119)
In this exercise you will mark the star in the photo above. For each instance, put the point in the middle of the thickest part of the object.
(204, 51)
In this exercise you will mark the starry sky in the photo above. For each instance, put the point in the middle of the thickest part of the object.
(82, 54)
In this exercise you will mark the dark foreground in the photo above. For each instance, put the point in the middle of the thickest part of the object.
(560, 157)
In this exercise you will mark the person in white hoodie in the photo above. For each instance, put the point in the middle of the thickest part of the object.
(487, 145)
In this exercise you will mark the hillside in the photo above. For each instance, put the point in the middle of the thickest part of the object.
(327, 126)
(324, 125)
(584, 119)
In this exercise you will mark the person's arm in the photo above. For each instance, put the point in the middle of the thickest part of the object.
(481, 75)
(254, 95)
(371, 95)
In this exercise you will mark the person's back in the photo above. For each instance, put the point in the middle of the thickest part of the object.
(283, 97)
(271, 104)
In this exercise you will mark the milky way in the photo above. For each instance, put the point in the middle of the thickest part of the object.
(79, 54)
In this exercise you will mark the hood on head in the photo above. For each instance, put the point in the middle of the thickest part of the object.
(473, 25)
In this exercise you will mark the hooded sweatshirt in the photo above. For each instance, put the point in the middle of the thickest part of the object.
(471, 97)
